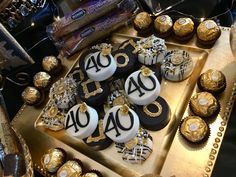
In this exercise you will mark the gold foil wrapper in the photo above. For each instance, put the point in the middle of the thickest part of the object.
(208, 30)
(31, 95)
(93, 173)
(50, 64)
(204, 104)
(212, 81)
(163, 23)
(194, 129)
(52, 160)
(142, 20)
(183, 27)
(42, 80)
(71, 169)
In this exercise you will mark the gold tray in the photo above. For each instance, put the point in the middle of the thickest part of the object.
(170, 157)
(162, 139)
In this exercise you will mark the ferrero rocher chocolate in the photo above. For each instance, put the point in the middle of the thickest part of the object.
(31, 95)
(51, 64)
(208, 31)
(204, 104)
(42, 80)
(53, 160)
(212, 81)
(183, 27)
(163, 24)
(93, 173)
(142, 21)
(71, 168)
(194, 129)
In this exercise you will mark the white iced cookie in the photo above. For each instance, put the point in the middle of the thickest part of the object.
(81, 121)
(100, 65)
(142, 87)
(138, 149)
(121, 124)
(151, 50)
(177, 65)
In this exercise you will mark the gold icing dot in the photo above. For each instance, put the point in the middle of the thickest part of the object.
(213, 151)
(223, 123)
(205, 175)
(217, 140)
(219, 134)
(211, 157)
(52, 112)
(207, 169)
(209, 163)
(215, 145)
(221, 129)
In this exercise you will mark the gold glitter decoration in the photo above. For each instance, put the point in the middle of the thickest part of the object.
(142, 20)
(153, 114)
(208, 30)
(42, 79)
(71, 169)
(88, 94)
(211, 157)
(119, 101)
(124, 109)
(183, 26)
(223, 123)
(207, 169)
(209, 163)
(215, 145)
(146, 71)
(163, 23)
(101, 134)
(194, 128)
(31, 95)
(52, 160)
(125, 56)
(221, 129)
(204, 104)
(50, 63)
(52, 112)
(106, 51)
(83, 107)
(212, 80)
(131, 143)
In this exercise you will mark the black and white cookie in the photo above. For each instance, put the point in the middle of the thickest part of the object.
(177, 65)
(100, 65)
(81, 121)
(92, 92)
(121, 124)
(98, 140)
(155, 115)
(142, 87)
(151, 50)
(125, 62)
(138, 149)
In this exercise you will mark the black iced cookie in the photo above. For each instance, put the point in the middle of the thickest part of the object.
(126, 62)
(77, 74)
(92, 92)
(155, 115)
(98, 140)
(83, 56)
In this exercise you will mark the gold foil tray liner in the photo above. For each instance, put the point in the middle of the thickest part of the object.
(175, 93)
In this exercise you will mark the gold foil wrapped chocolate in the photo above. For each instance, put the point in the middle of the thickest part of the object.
(142, 21)
(208, 30)
(93, 173)
(42, 80)
(212, 81)
(31, 95)
(204, 104)
(53, 160)
(51, 64)
(183, 27)
(71, 168)
(194, 129)
(163, 24)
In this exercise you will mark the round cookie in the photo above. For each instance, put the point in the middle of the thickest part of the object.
(194, 129)
(142, 87)
(208, 32)
(53, 159)
(72, 168)
(212, 81)
(81, 121)
(155, 115)
(98, 140)
(163, 25)
(92, 92)
(151, 50)
(121, 124)
(125, 62)
(138, 149)
(183, 29)
(177, 65)
(100, 66)
(204, 104)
